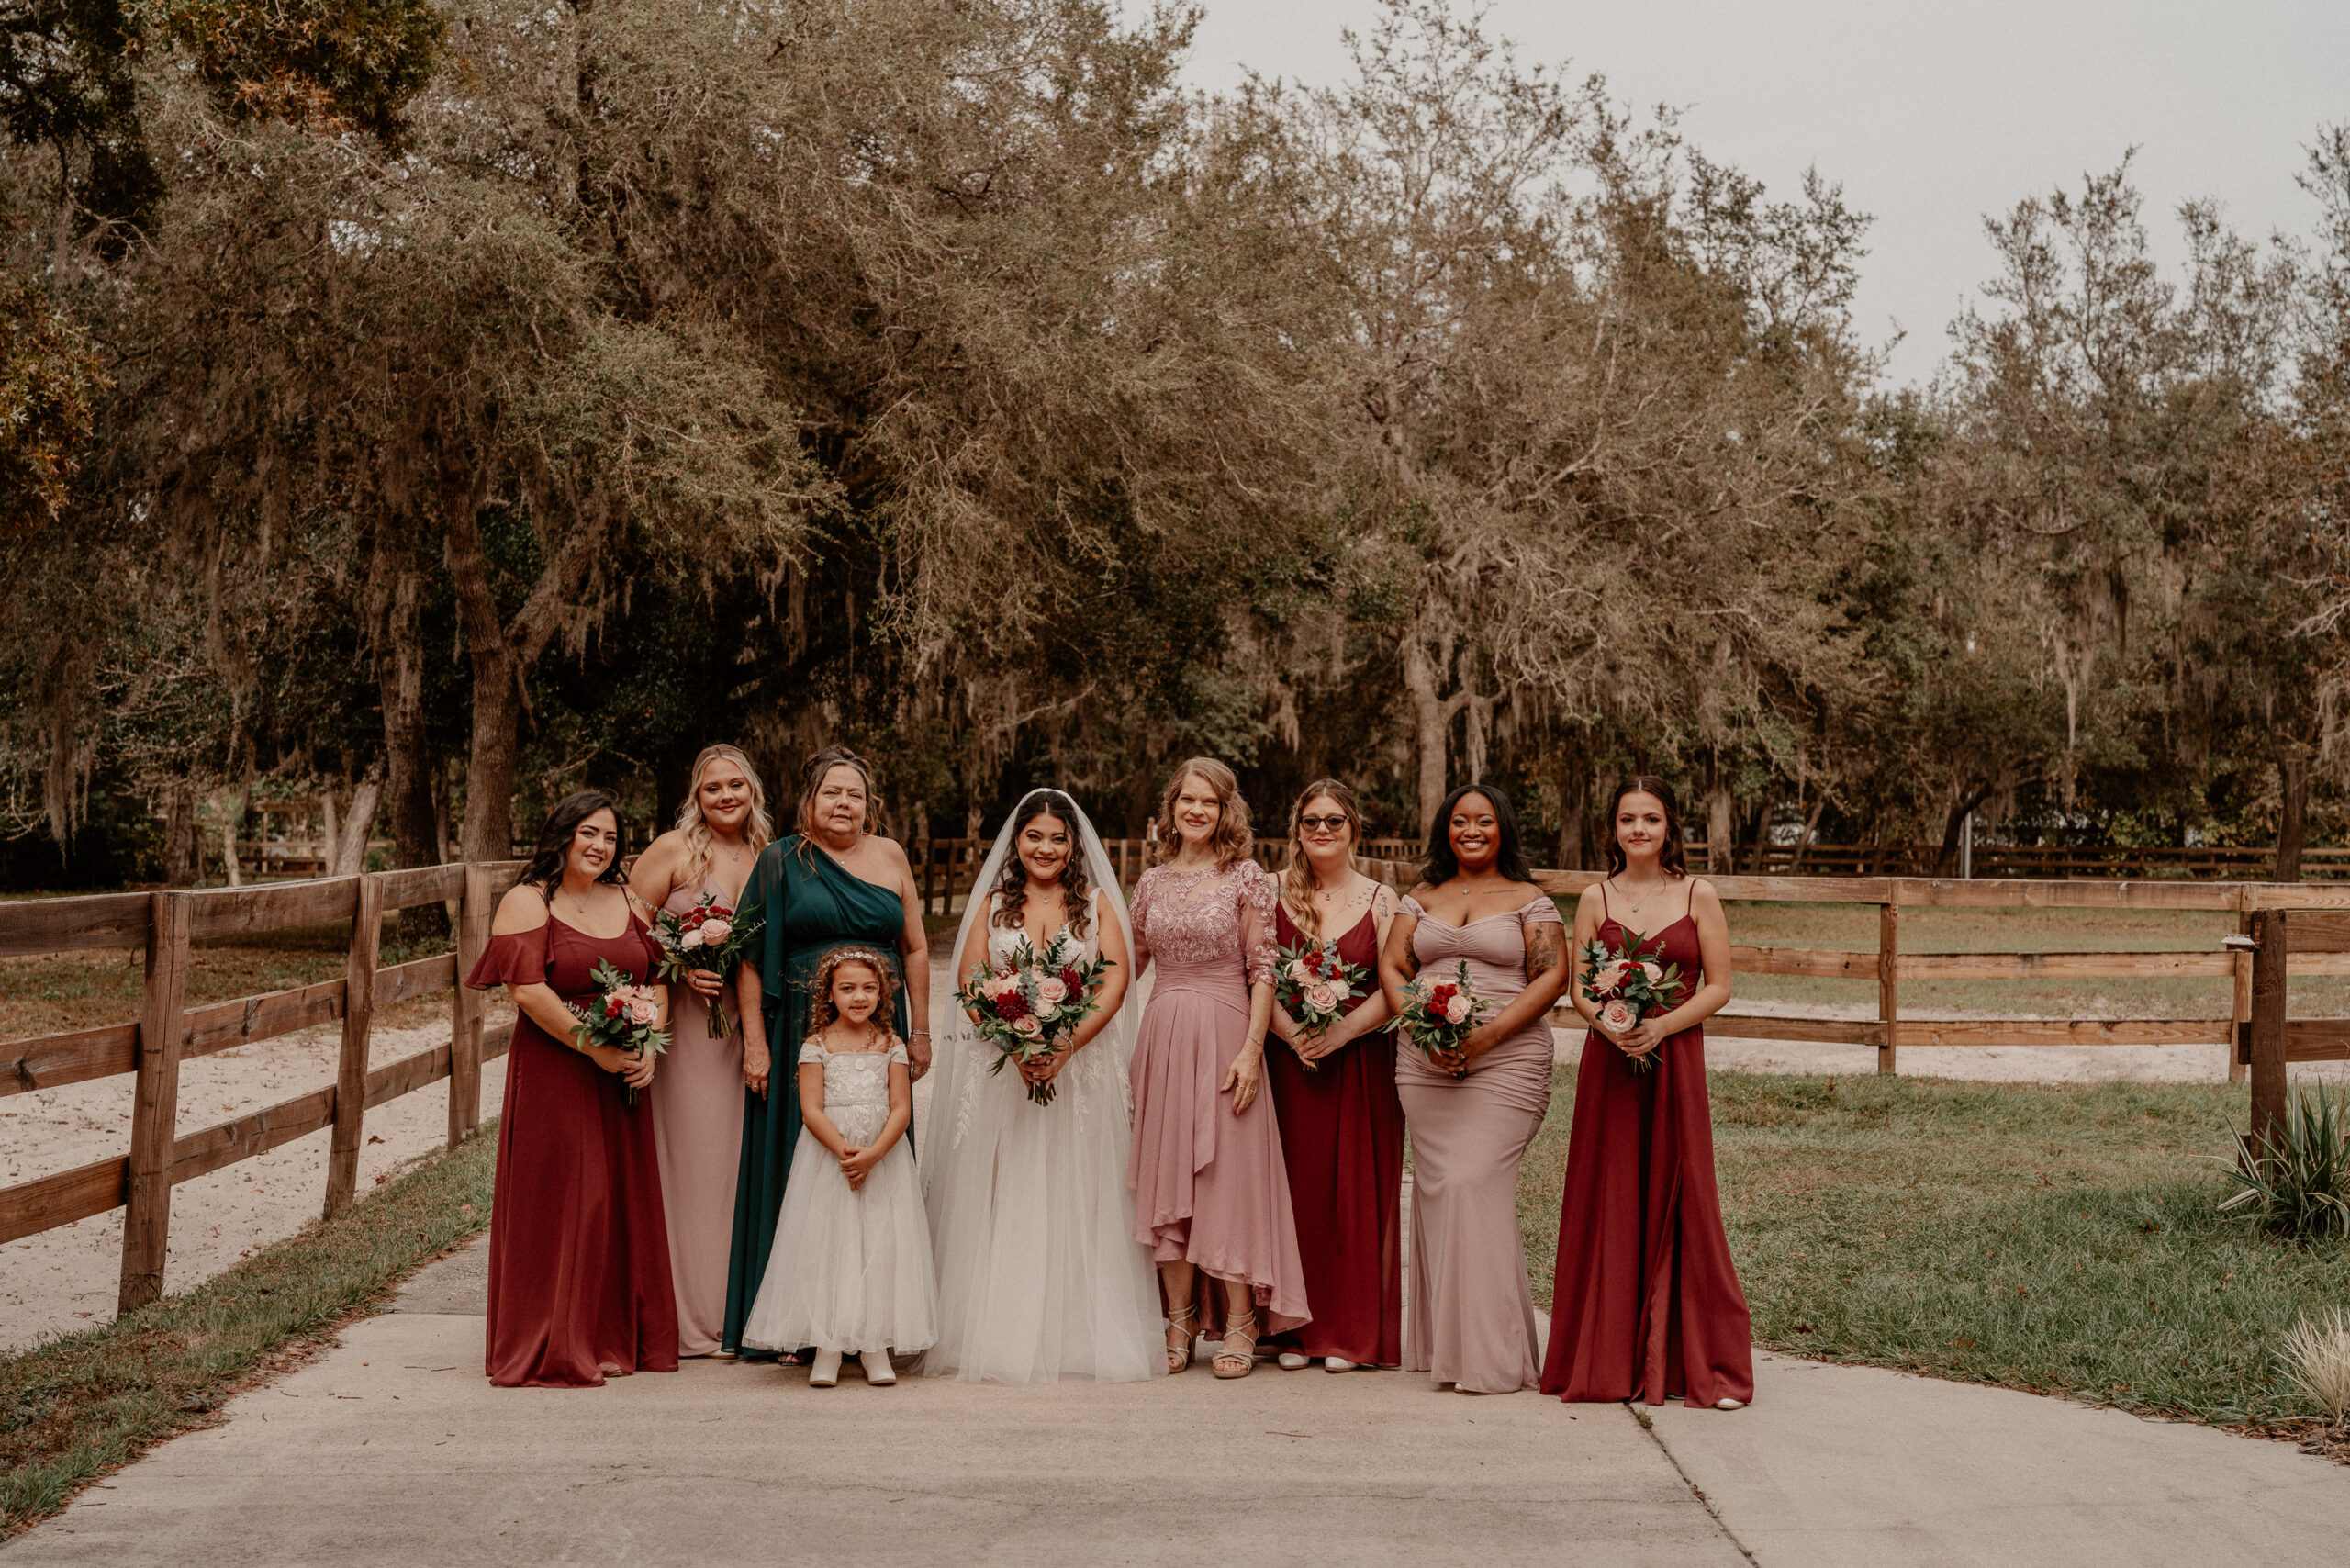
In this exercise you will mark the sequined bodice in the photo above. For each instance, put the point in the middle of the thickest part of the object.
(1199, 926)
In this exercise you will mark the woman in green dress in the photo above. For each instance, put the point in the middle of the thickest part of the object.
(830, 883)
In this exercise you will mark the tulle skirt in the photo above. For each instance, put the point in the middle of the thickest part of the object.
(1039, 1277)
(850, 1271)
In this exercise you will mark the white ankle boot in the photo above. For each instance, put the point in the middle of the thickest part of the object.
(826, 1372)
(877, 1369)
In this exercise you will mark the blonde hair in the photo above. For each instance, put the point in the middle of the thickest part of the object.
(820, 1004)
(1231, 835)
(701, 852)
(1297, 881)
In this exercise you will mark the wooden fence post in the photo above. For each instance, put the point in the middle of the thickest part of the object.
(1888, 982)
(155, 1104)
(358, 1021)
(465, 1010)
(2242, 1011)
(2268, 1025)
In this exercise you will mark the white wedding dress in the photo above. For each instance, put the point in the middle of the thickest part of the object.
(1039, 1276)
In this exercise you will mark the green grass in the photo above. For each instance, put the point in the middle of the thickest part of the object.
(74, 1407)
(2062, 1238)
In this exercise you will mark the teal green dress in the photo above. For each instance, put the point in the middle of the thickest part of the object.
(810, 906)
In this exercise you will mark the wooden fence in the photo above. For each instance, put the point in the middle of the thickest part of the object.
(2208, 863)
(168, 1032)
(945, 867)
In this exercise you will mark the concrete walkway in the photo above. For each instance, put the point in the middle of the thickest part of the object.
(391, 1450)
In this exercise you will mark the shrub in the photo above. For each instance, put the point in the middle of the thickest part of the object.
(2297, 1183)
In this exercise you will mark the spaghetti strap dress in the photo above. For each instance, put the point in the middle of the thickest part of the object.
(696, 1104)
(579, 1247)
(1645, 1303)
(1470, 1322)
(1342, 1141)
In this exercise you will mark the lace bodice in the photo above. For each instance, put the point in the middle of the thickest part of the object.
(1003, 941)
(1198, 920)
(857, 1086)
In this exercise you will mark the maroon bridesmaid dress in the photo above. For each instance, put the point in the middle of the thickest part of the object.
(578, 1250)
(1342, 1138)
(1645, 1302)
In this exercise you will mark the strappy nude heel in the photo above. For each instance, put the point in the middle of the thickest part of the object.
(1240, 1362)
(1188, 1320)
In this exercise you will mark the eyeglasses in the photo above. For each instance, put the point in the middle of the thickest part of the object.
(1321, 825)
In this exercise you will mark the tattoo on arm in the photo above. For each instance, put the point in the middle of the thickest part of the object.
(1542, 954)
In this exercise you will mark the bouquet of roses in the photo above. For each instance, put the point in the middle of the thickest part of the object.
(621, 1016)
(1031, 1005)
(706, 936)
(1313, 984)
(1439, 1015)
(1628, 986)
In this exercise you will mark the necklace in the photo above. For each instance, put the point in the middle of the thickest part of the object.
(1634, 903)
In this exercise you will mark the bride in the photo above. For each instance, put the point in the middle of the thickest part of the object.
(1039, 1276)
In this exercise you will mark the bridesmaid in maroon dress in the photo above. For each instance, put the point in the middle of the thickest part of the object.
(1342, 1127)
(578, 1252)
(1646, 1303)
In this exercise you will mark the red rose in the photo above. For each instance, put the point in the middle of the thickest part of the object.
(1012, 1006)
(720, 912)
(693, 919)
(1441, 996)
(1314, 960)
(612, 1007)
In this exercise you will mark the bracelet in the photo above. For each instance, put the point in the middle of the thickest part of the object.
(922, 1034)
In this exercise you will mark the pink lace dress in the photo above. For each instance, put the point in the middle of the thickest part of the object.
(1209, 1186)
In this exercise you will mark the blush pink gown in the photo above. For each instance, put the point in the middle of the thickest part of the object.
(697, 1107)
(1471, 1319)
(1209, 1186)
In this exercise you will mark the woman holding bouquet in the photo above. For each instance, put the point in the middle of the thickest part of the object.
(830, 882)
(578, 1253)
(1334, 1092)
(1646, 1303)
(1474, 1108)
(1211, 1193)
(1039, 1275)
(702, 863)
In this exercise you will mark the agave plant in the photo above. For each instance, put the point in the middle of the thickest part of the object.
(2297, 1183)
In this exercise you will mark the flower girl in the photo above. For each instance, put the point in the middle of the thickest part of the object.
(850, 1271)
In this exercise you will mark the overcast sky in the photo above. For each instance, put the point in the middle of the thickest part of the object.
(1931, 115)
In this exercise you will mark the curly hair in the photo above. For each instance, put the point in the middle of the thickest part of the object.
(1671, 859)
(1297, 881)
(700, 852)
(1233, 838)
(820, 988)
(1444, 864)
(1012, 883)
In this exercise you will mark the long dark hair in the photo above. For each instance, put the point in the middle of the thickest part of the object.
(1011, 882)
(1510, 860)
(545, 870)
(1674, 862)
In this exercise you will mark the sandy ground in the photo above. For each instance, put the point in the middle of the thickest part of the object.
(66, 1279)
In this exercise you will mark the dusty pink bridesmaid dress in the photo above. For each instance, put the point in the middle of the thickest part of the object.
(696, 1104)
(1208, 1185)
(1471, 1315)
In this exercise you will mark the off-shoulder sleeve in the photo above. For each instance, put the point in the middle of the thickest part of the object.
(897, 1055)
(1258, 899)
(518, 958)
(812, 1049)
(1411, 907)
(1540, 911)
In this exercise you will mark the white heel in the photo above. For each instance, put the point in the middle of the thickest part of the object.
(1292, 1361)
(826, 1372)
(1337, 1364)
(1730, 1404)
(878, 1369)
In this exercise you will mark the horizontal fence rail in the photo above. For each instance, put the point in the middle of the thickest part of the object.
(168, 1032)
(2284, 929)
(2047, 860)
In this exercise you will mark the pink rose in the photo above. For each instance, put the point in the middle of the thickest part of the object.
(1618, 1016)
(1299, 972)
(1457, 1011)
(641, 1010)
(1321, 998)
(692, 939)
(1000, 986)
(1026, 1026)
(714, 933)
(1050, 990)
(1654, 973)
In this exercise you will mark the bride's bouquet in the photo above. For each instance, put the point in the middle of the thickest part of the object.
(621, 1016)
(1439, 1015)
(1030, 1006)
(706, 936)
(1628, 986)
(1313, 985)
